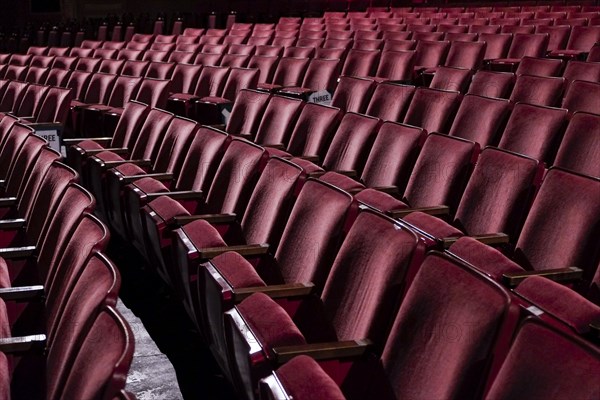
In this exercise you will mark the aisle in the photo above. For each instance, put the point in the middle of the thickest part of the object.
(152, 376)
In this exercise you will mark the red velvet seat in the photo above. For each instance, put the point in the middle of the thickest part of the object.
(361, 63)
(538, 90)
(480, 119)
(389, 101)
(247, 112)
(432, 110)
(582, 96)
(580, 42)
(353, 94)
(539, 66)
(289, 73)
(492, 84)
(579, 147)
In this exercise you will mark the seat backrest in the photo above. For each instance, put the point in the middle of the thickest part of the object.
(185, 78)
(23, 164)
(55, 107)
(88, 64)
(351, 143)
(569, 367)
(430, 53)
(492, 84)
(583, 38)
(582, 96)
(208, 59)
(369, 266)
(235, 177)
(37, 74)
(99, 89)
(271, 202)
(565, 236)
(466, 54)
(238, 79)
(290, 71)
(539, 90)
(480, 119)
(266, 65)
(499, 193)
(97, 284)
(353, 94)
(13, 95)
(451, 78)
(78, 83)
(313, 233)
(203, 158)
(361, 63)
(539, 66)
(31, 100)
(58, 77)
(411, 363)
(432, 109)
(81, 52)
(397, 65)
(247, 112)
(497, 44)
(129, 53)
(580, 146)
(130, 122)
(151, 133)
(322, 75)
(392, 155)
(102, 363)
(211, 81)
(181, 57)
(12, 145)
(528, 44)
(160, 70)
(314, 130)
(557, 35)
(124, 89)
(134, 67)
(535, 131)
(30, 185)
(154, 92)
(278, 120)
(174, 145)
(582, 71)
(441, 172)
(389, 101)
(65, 62)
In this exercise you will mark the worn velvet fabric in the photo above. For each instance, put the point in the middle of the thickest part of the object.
(432, 110)
(444, 333)
(342, 181)
(480, 119)
(582, 96)
(538, 90)
(450, 78)
(314, 130)
(390, 101)
(492, 84)
(380, 201)
(303, 379)
(278, 120)
(353, 94)
(534, 131)
(546, 364)
(561, 302)
(580, 147)
(238, 271)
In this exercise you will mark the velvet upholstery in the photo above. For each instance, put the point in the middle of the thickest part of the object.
(430, 54)
(492, 84)
(278, 120)
(582, 96)
(480, 119)
(463, 54)
(580, 146)
(390, 101)
(396, 65)
(539, 66)
(534, 131)
(247, 112)
(353, 94)
(361, 63)
(451, 78)
(546, 363)
(314, 130)
(432, 110)
(538, 90)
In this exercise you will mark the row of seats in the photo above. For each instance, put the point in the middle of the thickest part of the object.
(358, 278)
(60, 333)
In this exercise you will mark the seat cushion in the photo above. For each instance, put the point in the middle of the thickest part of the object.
(307, 166)
(167, 208)
(183, 96)
(238, 271)
(342, 181)
(483, 257)
(273, 152)
(89, 145)
(4, 276)
(381, 201)
(129, 169)
(203, 235)
(303, 378)
(109, 156)
(150, 185)
(271, 325)
(215, 100)
(432, 225)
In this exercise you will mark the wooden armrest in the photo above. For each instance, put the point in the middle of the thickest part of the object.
(312, 159)
(252, 250)
(17, 252)
(158, 176)
(38, 126)
(323, 351)
(489, 239)
(22, 293)
(571, 274)
(177, 195)
(119, 151)
(74, 141)
(278, 146)
(140, 163)
(210, 218)
(22, 344)
(275, 291)
(387, 189)
(437, 210)
(8, 201)
(12, 223)
(349, 173)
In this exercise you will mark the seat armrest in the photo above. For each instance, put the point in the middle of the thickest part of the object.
(436, 210)
(45, 125)
(210, 218)
(220, 127)
(177, 195)
(158, 176)
(116, 150)
(349, 173)
(16, 223)
(252, 250)
(140, 163)
(388, 189)
(247, 136)
(323, 351)
(489, 239)
(275, 291)
(22, 293)
(74, 141)
(278, 146)
(312, 159)
(564, 275)
(8, 201)
(595, 329)
(22, 344)
(17, 252)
